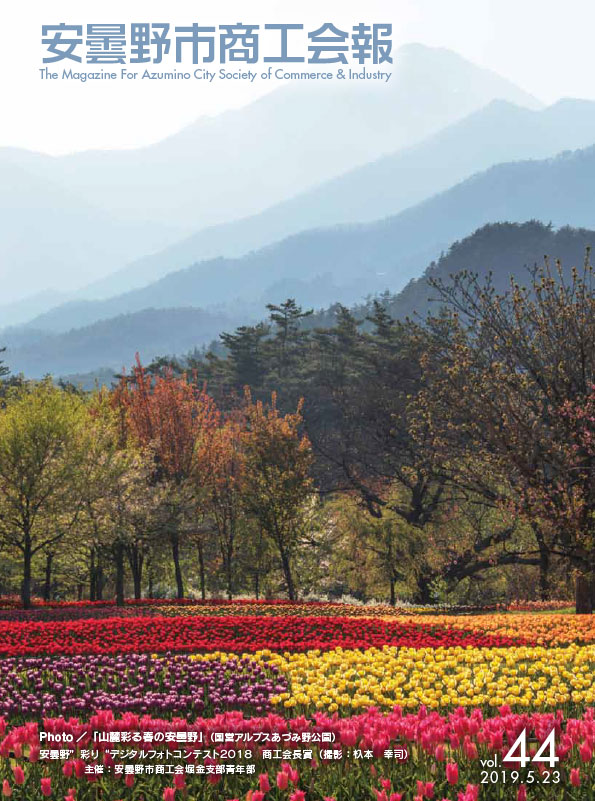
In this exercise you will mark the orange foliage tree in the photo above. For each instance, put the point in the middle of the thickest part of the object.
(220, 467)
(173, 418)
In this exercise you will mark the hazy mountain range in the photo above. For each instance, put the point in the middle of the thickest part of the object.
(501, 250)
(113, 343)
(384, 187)
(83, 216)
(360, 206)
(238, 162)
(346, 263)
(51, 237)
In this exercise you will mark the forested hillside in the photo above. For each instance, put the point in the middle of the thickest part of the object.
(503, 249)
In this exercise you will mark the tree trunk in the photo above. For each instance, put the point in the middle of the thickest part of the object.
(592, 590)
(92, 577)
(47, 587)
(291, 594)
(259, 562)
(582, 594)
(225, 534)
(137, 581)
(79, 591)
(229, 577)
(26, 585)
(544, 564)
(424, 594)
(119, 559)
(99, 579)
(150, 590)
(393, 597)
(175, 550)
(136, 560)
(201, 570)
(544, 574)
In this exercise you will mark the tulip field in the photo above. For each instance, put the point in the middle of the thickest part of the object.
(272, 701)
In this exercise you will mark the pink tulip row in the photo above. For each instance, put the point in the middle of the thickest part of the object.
(462, 728)
(444, 753)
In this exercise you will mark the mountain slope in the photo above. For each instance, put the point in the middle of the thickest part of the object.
(112, 343)
(501, 250)
(50, 238)
(347, 263)
(30, 306)
(383, 187)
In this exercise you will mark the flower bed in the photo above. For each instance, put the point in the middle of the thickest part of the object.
(170, 686)
(238, 634)
(559, 629)
(451, 690)
(443, 759)
(10, 608)
(531, 678)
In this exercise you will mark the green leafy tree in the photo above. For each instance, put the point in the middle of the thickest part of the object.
(43, 447)
(277, 488)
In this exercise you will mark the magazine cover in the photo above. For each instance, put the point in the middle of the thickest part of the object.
(297, 401)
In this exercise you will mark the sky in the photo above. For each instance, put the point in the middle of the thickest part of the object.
(544, 46)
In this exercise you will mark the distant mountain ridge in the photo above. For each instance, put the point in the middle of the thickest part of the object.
(500, 250)
(349, 262)
(383, 187)
(47, 234)
(112, 343)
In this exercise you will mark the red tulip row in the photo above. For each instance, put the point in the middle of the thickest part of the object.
(234, 633)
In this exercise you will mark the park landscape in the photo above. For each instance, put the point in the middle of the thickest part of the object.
(297, 489)
(164, 541)
(450, 689)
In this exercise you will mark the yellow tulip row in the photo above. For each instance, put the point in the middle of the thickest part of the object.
(526, 677)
